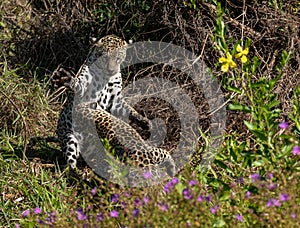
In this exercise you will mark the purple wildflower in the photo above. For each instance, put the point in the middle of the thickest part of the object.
(146, 199)
(174, 181)
(255, 177)
(126, 194)
(135, 212)
(41, 222)
(168, 186)
(248, 194)
(162, 206)
(115, 198)
(186, 194)
(200, 198)
(208, 198)
(214, 209)
(284, 197)
(269, 176)
(80, 215)
(273, 202)
(37, 210)
(138, 202)
(192, 182)
(270, 203)
(51, 217)
(17, 225)
(293, 215)
(239, 217)
(114, 214)
(99, 217)
(25, 213)
(123, 205)
(296, 150)
(94, 191)
(276, 202)
(272, 186)
(240, 180)
(283, 125)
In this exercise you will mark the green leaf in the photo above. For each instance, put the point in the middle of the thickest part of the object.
(273, 104)
(2, 24)
(224, 166)
(260, 134)
(234, 89)
(258, 163)
(239, 107)
(214, 182)
(219, 223)
(225, 196)
(179, 187)
(250, 126)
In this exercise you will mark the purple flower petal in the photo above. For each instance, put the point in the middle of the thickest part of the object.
(25, 213)
(273, 202)
(269, 203)
(115, 198)
(296, 150)
(208, 198)
(248, 194)
(270, 176)
(277, 203)
(162, 206)
(126, 194)
(135, 212)
(80, 215)
(138, 202)
(240, 180)
(186, 194)
(192, 182)
(283, 125)
(146, 199)
(239, 217)
(272, 186)
(214, 209)
(51, 217)
(200, 198)
(99, 217)
(255, 177)
(37, 210)
(94, 191)
(123, 205)
(284, 197)
(174, 180)
(114, 214)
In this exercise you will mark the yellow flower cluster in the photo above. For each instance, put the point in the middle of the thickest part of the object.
(228, 62)
(242, 53)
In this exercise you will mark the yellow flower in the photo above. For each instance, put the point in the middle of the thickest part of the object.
(242, 53)
(227, 62)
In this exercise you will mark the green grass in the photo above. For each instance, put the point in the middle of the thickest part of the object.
(253, 182)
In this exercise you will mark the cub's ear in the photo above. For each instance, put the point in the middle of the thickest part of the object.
(130, 41)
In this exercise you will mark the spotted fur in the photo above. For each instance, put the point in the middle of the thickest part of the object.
(99, 82)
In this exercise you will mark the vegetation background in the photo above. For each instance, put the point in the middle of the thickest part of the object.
(254, 180)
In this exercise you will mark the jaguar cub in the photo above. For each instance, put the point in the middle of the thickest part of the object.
(99, 82)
